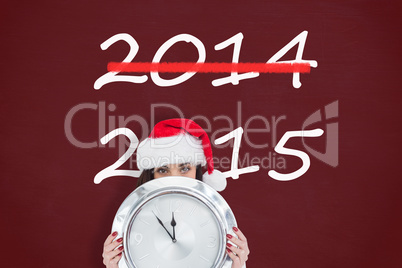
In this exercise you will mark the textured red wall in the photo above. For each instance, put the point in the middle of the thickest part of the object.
(52, 213)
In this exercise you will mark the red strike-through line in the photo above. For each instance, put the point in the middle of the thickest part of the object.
(215, 67)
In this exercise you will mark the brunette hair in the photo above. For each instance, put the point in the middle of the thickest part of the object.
(148, 174)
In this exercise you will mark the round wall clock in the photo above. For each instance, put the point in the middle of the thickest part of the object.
(174, 222)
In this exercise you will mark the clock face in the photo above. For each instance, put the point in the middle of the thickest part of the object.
(201, 219)
(198, 235)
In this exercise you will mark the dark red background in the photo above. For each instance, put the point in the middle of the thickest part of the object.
(53, 215)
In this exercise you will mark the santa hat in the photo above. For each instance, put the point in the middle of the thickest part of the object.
(177, 141)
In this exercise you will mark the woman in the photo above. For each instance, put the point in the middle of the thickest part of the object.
(178, 147)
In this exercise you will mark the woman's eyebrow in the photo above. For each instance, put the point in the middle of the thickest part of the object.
(184, 164)
(164, 167)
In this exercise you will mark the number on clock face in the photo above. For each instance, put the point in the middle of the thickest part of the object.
(198, 233)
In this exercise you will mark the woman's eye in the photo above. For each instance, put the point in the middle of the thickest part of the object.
(185, 169)
(161, 171)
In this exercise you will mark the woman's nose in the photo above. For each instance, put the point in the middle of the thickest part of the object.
(175, 173)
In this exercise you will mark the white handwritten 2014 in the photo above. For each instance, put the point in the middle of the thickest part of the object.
(234, 78)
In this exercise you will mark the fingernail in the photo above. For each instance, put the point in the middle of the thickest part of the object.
(228, 245)
(235, 229)
(119, 254)
(229, 236)
(121, 248)
(114, 234)
(228, 250)
(120, 239)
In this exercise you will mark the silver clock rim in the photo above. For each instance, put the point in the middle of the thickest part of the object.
(182, 185)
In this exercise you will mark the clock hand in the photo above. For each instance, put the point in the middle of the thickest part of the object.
(161, 223)
(173, 223)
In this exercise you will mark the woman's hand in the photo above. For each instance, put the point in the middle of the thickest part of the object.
(239, 251)
(111, 251)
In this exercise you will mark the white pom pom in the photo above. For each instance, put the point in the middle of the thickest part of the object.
(216, 180)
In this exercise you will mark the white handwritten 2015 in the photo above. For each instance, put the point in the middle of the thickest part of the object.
(234, 171)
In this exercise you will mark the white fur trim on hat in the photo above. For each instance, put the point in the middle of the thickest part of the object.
(216, 180)
(157, 152)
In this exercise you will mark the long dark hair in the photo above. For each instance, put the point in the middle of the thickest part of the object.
(148, 174)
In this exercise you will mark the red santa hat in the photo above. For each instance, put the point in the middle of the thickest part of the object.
(177, 141)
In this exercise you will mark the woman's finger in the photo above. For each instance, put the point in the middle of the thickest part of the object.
(112, 250)
(238, 251)
(232, 255)
(109, 256)
(236, 241)
(239, 234)
(236, 260)
(113, 245)
(241, 241)
(110, 238)
(116, 259)
(241, 253)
